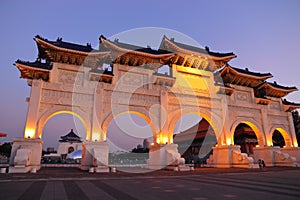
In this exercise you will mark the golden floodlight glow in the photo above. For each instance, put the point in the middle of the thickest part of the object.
(29, 133)
(171, 140)
(269, 143)
(96, 136)
(165, 140)
(295, 144)
(228, 141)
(157, 140)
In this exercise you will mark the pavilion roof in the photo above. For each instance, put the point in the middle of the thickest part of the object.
(106, 45)
(199, 131)
(70, 53)
(243, 77)
(71, 136)
(36, 64)
(273, 90)
(34, 70)
(132, 55)
(130, 47)
(290, 106)
(66, 45)
(180, 47)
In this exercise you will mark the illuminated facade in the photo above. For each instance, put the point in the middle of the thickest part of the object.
(97, 85)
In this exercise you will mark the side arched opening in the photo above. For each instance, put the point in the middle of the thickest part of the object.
(245, 136)
(62, 133)
(195, 137)
(129, 136)
(281, 138)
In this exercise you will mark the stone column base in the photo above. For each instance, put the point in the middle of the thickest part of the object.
(273, 156)
(230, 156)
(292, 151)
(94, 154)
(163, 155)
(30, 163)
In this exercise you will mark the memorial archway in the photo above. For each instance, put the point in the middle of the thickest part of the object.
(72, 78)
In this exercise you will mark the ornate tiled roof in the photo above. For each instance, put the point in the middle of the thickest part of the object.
(290, 106)
(195, 49)
(273, 90)
(68, 45)
(70, 137)
(37, 64)
(203, 51)
(247, 72)
(243, 77)
(131, 47)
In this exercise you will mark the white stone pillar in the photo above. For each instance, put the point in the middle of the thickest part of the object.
(96, 132)
(33, 109)
(292, 131)
(265, 126)
(163, 118)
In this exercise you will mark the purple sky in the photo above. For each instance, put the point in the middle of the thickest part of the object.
(265, 35)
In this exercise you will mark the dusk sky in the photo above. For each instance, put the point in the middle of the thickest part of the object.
(265, 36)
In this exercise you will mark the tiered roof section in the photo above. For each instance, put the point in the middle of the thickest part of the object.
(70, 137)
(69, 53)
(273, 90)
(242, 77)
(170, 52)
(127, 54)
(262, 89)
(290, 106)
(197, 132)
(34, 70)
(195, 57)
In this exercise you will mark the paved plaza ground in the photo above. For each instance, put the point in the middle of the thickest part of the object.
(201, 184)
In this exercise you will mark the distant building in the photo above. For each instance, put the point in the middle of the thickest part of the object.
(50, 150)
(69, 143)
(191, 141)
(146, 144)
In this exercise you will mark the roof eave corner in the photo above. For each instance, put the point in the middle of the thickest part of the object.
(102, 39)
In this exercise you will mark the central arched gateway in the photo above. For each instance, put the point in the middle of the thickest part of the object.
(161, 86)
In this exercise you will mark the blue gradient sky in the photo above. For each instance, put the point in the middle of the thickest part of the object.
(265, 35)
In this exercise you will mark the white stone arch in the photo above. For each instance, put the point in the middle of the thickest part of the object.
(143, 113)
(253, 125)
(282, 129)
(51, 112)
(212, 118)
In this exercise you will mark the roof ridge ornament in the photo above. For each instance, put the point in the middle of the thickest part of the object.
(207, 48)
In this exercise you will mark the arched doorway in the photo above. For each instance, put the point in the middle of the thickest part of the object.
(281, 138)
(245, 136)
(195, 138)
(129, 137)
(278, 139)
(56, 133)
